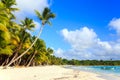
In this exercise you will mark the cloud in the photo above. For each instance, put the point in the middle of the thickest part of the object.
(115, 24)
(59, 52)
(38, 25)
(85, 37)
(85, 44)
(27, 7)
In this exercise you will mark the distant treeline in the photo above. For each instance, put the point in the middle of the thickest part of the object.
(61, 61)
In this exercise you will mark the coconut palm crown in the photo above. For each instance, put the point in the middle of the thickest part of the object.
(45, 16)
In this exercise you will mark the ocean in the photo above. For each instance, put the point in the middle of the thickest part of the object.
(107, 72)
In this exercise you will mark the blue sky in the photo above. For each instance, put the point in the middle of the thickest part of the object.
(82, 29)
(93, 14)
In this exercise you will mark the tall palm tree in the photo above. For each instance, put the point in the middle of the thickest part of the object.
(44, 17)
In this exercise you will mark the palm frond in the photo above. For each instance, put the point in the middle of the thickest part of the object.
(4, 17)
(16, 38)
(48, 22)
(3, 27)
(14, 9)
(50, 15)
(38, 15)
(27, 24)
(45, 12)
(7, 50)
(8, 3)
(6, 36)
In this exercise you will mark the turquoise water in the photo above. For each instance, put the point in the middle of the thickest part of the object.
(114, 70)
(106, 72)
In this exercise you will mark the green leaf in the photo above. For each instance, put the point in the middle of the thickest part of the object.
(39, 15)
(49, 23)
(45, 12)
(3, 27)
(7, 50)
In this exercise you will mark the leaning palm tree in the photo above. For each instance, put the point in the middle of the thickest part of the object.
(44, 17)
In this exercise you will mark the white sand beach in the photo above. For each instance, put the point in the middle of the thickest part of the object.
(46, 73)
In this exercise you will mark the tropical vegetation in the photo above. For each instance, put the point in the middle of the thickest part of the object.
(17, 45)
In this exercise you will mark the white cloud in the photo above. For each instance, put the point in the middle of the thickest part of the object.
(86, 45)
(115, 24)
(59, 53)
(38, 25)
(85, 37)
(27, 7)
(104, 44)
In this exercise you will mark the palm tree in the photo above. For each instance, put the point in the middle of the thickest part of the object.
(5, 20)
(46, 15)
(6, 12)
(26, 24)
(37, 49)
(49, 54)
(8, 6)
(6, 9)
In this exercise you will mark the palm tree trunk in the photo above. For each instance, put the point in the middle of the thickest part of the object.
(19, 61)
(16, 53)
(5, 62)
(31, 59)
(28, 59)
(41, 28)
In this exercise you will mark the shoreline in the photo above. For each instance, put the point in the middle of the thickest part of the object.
(107, 76)
(47, 73)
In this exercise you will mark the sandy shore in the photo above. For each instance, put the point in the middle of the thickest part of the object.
(46, 73)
